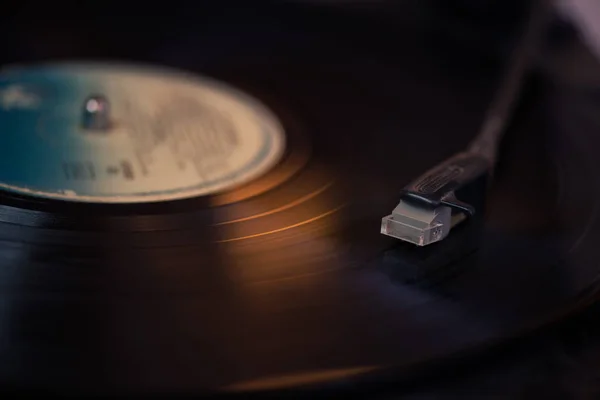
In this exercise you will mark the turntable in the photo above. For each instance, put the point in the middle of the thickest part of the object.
(199, 210)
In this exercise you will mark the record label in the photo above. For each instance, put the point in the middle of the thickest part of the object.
(122, 134)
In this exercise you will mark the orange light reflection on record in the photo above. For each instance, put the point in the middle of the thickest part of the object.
(285, 228)
(299, 379)
(281, 208)
(273, 179)
(275, 275)
(294, 238)
(305, 247)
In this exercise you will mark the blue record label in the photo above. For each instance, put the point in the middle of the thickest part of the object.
(120, 134)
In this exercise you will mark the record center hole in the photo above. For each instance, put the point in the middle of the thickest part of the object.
(96, 114)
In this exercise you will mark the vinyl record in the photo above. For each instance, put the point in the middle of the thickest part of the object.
(275, 277)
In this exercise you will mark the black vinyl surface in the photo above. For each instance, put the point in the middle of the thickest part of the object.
(286, 282)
